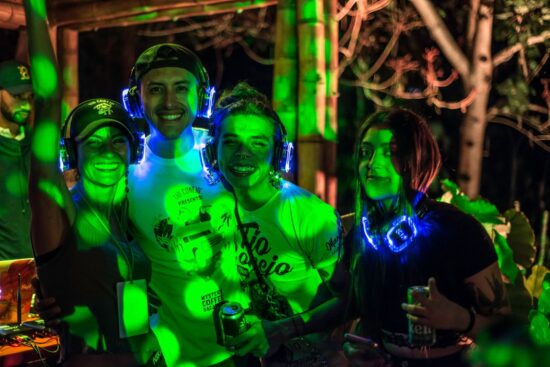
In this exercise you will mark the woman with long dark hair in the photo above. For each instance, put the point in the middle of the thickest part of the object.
(403, 239)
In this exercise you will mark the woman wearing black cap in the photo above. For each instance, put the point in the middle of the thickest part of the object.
(85, 258)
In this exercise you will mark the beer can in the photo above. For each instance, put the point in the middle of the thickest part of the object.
(420, 335)
(232, 319)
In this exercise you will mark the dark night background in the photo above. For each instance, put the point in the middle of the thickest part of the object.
(513, 167)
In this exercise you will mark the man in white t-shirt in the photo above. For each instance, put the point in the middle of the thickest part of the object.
(182, 223)
(290, 240)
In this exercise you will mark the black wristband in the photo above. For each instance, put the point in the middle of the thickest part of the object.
(471, 323)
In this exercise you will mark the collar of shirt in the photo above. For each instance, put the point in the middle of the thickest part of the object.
(5, 132)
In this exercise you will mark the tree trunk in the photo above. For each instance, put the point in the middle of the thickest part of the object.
(472, 134)
(311, 96)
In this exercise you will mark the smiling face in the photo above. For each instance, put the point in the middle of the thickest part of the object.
(16, 108)
(169, 100)
(245, 151)
(379, 177)
(104, 156)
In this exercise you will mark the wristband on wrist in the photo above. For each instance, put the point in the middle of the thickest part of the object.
(471, 323)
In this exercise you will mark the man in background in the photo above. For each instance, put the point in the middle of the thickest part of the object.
(16, 107)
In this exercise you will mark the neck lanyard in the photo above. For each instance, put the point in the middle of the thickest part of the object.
(128, 259)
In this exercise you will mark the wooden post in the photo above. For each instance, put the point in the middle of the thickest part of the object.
(311, 96)
(331, 115)
(285, 75)
(68, 57)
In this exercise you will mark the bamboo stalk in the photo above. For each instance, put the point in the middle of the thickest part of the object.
(331, 115)
(69, 66)
(543, 238)
(311, 96)
(285, 74)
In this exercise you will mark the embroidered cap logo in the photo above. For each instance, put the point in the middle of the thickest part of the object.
(24, 72)
(104, 107)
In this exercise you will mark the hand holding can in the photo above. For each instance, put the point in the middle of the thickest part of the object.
(420, 335)
(233, 321)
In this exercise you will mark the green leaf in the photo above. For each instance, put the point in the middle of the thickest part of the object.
(521, 238)
(481, 209)
(505, 258)
(448, 185)
(535, 281)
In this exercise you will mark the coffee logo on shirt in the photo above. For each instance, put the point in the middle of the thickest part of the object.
(211, 299)
(261, 249)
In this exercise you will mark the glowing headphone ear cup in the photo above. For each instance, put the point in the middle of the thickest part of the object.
(68, 154)
(211, 155)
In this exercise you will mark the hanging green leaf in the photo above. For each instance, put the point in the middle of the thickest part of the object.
(505, 258)
(521, 238)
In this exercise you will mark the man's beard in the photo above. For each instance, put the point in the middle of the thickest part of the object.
(10, 115)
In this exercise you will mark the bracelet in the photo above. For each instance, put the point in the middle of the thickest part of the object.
(471, 323)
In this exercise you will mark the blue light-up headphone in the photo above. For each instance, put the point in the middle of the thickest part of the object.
(282, 150)
(168, 55)
(398, 233)
(282, 153)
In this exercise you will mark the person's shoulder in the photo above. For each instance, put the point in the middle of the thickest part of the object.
(301, 196)
(447, 212)
(454, 220)
(309, 209)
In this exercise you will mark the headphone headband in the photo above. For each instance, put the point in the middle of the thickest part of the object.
(168, 55)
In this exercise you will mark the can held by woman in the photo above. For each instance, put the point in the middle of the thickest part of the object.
(420, 335)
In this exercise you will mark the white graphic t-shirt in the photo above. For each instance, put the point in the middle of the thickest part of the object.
(184, 226)
(294, 237)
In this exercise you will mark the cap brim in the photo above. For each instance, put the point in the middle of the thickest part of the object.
(18, 89)
(92, 127)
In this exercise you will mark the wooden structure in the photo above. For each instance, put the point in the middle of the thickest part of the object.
(306, 62)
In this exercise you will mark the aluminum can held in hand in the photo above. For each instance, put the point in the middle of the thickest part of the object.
(232, 319)
(420, 335)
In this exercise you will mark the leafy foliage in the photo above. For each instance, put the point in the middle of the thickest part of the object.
(515, 249)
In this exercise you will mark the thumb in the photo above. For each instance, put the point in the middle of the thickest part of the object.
(433, 287)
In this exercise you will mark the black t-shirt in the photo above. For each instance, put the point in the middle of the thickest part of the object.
(83, 278)
(450, 246)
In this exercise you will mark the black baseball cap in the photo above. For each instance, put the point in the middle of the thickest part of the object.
(168, 55)
(15, 77)
(95, 113)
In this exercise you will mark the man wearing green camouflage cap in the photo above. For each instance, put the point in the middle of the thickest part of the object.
(16, 106)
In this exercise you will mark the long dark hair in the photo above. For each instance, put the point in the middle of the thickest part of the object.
(417, 160)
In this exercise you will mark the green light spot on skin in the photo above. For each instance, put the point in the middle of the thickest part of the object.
(84, 324)
(45, 76)
(39, 7)
(53, 191)
(44, 135)
(91, 229)
(16, 184)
